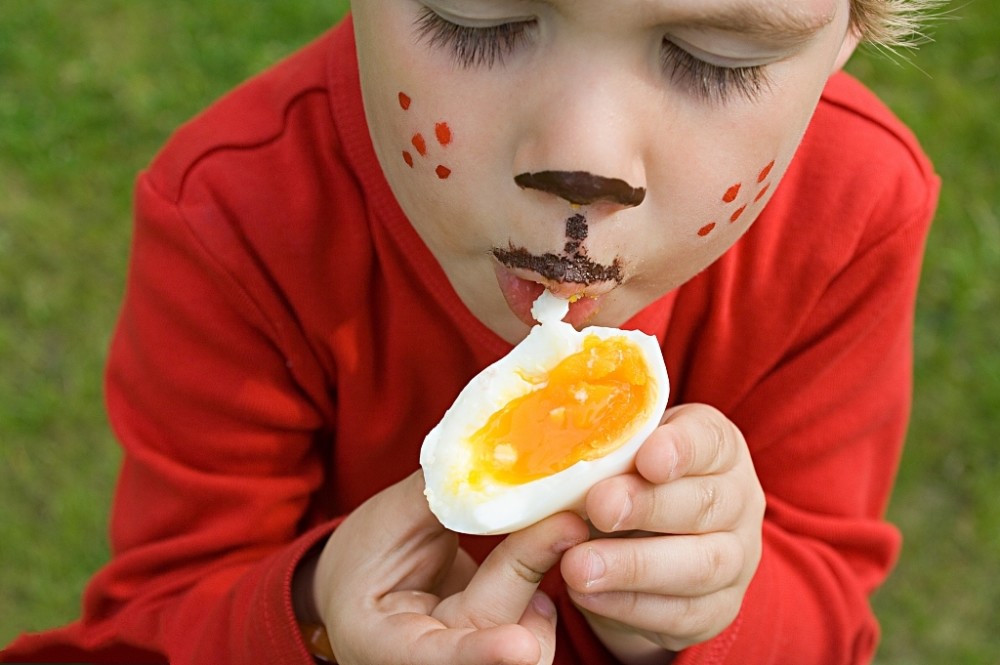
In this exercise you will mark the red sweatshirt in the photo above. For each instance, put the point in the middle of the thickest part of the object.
(286, 341)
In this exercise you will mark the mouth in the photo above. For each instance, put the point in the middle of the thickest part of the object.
(560, 268)
(521, 287)
(571, 275)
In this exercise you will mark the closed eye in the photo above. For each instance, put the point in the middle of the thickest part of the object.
(480, 46)
(709, 82)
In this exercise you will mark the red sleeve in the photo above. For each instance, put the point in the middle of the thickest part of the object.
(825, 422)
(828, 473)
(218, 471)
(825, 427)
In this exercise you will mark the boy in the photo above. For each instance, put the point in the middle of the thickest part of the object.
(314, 277)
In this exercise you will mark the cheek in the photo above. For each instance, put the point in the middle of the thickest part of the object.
(740, 202)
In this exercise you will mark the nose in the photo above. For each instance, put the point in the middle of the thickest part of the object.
(582, 188)
(585, 128)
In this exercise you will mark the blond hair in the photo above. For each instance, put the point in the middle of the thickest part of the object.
(892, 23)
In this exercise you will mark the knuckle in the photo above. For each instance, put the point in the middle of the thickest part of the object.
(711, 566)
(632, 604)
(703, 619)
(718, 434)
(731, 561)
(633, 566)
(715, 449)
(526, 571)
(697, 619)
(709, 498)
(701, 623)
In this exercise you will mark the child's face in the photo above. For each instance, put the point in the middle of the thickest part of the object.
(605, 149)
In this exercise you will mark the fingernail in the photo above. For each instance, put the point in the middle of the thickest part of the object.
(543, 605)
(595, 567)
(624, 513)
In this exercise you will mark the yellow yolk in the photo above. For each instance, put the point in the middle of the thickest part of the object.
(582, 412)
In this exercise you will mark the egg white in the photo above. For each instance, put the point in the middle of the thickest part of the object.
(495, 508)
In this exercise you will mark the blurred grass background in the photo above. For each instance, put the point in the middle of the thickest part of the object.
(90, 90)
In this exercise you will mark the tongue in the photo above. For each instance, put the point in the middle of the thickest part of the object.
(521, 294)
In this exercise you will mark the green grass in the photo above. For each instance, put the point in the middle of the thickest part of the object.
(90, 90)
(941, 604)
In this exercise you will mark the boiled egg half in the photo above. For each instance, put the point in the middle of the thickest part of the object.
(533, 432)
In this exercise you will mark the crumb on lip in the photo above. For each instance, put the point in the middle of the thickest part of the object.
(572, 266)
(577, 269)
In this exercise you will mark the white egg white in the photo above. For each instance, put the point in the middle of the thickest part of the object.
(496, 508)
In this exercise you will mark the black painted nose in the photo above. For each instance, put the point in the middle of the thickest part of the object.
(582, 188)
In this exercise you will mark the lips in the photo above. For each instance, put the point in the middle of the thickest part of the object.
(521, 288)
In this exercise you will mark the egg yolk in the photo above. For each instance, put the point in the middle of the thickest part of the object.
(582, 411)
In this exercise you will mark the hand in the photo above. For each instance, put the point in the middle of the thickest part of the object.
(695, 482)
(392, 586)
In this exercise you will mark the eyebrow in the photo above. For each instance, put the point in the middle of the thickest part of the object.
(785, 23)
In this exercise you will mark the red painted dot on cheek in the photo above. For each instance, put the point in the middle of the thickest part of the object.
(419, 143)
(443, 172)
(736, 215)
(731, 193)
(705, 230)
(762, 193)
(408, 158)
(404, 101)
(765, 172)
(443, 133)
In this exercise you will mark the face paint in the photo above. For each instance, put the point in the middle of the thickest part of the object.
(420, 144)
(733, 193)
(559, 268)
(582, 188)
(765, 172)
(572, 266)
(576, 233)
(442, 132)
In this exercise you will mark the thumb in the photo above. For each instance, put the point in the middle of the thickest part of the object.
(503, 587)
(540, 619)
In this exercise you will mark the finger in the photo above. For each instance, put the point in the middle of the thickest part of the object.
(674, 623)
(535, 643)
(417, 551)
(404, 547)
(420, 640)
(694, 440)
(540, 619)
(457, 577)
(497, 645)
(686, 566)
(506, 581)
(700, 504)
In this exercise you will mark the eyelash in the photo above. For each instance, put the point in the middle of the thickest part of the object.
(490, 45)
(472, 47)
(710, 82)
